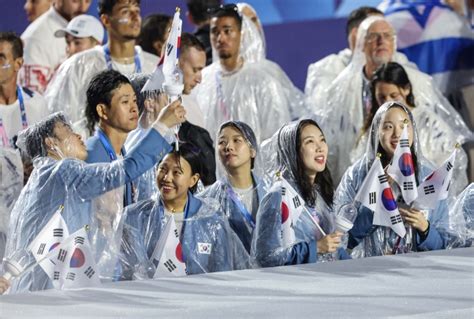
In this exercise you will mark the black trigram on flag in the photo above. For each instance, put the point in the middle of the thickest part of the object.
(283, 191)
(58, 232)
(56, 275)
(296, 202)
(79, 240)
(176, 233)
(404, 143)
(449, 166)
(372, 197)
(383, 178)
(396, 219)
(62, 254)
(407, 186)
(89, 272)
(41, 249)
(429, 189)
(169, 49)
(169, 264)
(71, 276)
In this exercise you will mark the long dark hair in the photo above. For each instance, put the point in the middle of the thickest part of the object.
(323, 181)
(392, 73)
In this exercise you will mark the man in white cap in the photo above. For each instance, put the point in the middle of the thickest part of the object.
(82, 33)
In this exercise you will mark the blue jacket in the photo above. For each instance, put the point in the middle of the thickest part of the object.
(374, 240)
(97, 153)
(267, 246)
(72, 183)
(238, 222)
(145, 222)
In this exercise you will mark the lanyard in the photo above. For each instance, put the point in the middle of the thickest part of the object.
(108, 60)
(220, 98)
(243, 210)
(113, 157)
(5, 142)
(108, 147)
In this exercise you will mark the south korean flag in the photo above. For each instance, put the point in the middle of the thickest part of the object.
(292, 206)
(402, 170)
(75, 266)
(436, 186)
(50, 237)
(375, 194)
(168, 253)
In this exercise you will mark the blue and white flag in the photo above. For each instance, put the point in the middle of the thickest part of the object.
(436, 38)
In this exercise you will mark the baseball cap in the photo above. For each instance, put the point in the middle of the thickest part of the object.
(83, 26)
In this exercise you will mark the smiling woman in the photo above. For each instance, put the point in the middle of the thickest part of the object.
(200, 230)
(431, 227)
(303, 196)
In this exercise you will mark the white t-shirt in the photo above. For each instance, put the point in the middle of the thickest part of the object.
(43, 52)
(248, 197)
(35, 107)
(178, 219)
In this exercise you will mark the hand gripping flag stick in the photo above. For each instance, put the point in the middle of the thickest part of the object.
(13, 269)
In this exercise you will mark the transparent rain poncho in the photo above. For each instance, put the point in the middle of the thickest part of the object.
(240, 222)
(203, 224)
(11, 183)
(259, 93)
(462, 219)
(77, 186)
(268, 247)
(341, 109)
(67, 91)
(370, 240)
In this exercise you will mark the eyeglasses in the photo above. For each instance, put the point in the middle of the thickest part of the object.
(375, 37)
(223, 7)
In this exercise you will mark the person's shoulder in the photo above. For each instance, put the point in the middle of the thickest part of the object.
(36, 28)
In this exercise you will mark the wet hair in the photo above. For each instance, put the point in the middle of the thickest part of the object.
(189, 41)
(323, 180)
(227, 10)
(99, 91)
(199, 9)
(392, 73)
(384, 156)
(154, 28)
(138, 81)
(15, 41)
(106, 6)
(35, 136)
(192, 155)
(358, 15)
(246, 132)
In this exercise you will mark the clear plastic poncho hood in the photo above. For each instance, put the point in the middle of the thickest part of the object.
(340, 108)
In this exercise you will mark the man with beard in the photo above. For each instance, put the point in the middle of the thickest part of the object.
(345, 106)
(122, 21)
(43, 51)
(234, 88)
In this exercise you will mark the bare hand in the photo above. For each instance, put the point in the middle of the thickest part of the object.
(4, 285)
(329, 243)
(414, 218)
(173, 114)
